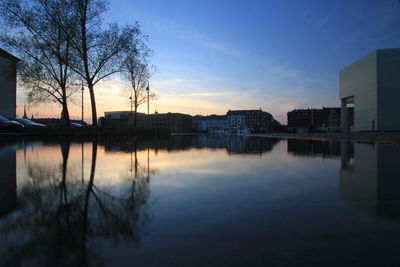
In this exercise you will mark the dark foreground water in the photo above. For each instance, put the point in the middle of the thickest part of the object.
(199, 201)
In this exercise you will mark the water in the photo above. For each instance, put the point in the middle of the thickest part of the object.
(199, 201)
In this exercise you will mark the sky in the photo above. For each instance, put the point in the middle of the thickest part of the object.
(216, 55)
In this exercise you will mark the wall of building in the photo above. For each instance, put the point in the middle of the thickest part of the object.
(8, 84)
(388, 89)
(360, 80)
(8, 182)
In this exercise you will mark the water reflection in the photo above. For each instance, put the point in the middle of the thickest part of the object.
(314, 148)
(8, 182)
(61, 214)
(232, 144)
(370, 180)
(160, 202)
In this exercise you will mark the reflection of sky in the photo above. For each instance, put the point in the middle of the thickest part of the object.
(213, 208)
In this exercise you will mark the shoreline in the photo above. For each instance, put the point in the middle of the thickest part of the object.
(361, 137)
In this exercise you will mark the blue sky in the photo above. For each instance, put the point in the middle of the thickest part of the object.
(212, 56)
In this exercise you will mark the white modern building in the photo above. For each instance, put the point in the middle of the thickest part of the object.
(212, 123)
(372, 84)
(8, 84)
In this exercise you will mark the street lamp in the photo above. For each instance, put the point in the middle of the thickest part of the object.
(82, 100)
(130, 98)
(148, 97)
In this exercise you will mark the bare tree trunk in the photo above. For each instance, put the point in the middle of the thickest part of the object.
(65, 112)
(93, 104)
(85, 59)
(135, 117)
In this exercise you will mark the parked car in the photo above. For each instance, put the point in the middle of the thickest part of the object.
(75, 125)
(30, 124)
(6, 124)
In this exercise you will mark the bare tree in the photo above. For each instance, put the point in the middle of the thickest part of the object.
(137, 71)
(100, 50)
(44, 47)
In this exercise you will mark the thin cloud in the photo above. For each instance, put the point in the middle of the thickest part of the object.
(191, 35)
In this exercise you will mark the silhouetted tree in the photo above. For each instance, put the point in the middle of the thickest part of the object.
(100, 50)
(137, 71)
(35, 33)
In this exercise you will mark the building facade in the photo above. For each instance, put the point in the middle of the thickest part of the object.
(8, 84)
(372, 85)
(325, 119)
(255, 120)
(210, 123)
(173, 122)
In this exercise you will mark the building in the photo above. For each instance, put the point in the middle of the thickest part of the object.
(305, 119)
(372, 85)
(212, 123)
(173, 122)
(255, 120)
(8, 84)
(324, 120)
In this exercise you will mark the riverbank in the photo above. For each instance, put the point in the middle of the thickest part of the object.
(84, 131)
(364, 137)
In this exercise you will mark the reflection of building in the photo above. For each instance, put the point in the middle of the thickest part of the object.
(8, 181)
(233, 144)
(314, 148)
(8, 84)
(370, 181)
(325, 119)
(372, 84)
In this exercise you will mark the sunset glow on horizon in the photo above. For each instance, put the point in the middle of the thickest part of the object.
(215, 56)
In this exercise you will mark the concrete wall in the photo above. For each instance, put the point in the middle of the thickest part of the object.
(388, 89)
(360, 80)
(8, 84)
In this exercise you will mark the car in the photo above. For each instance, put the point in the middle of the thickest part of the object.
(75, 125)
(30, 124)
(6, 124)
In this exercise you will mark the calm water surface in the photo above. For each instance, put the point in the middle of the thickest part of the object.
(199, 201)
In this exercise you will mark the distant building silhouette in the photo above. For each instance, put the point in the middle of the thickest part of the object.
(235, 121)
(256, 120)
(173, 122)
(312, 119)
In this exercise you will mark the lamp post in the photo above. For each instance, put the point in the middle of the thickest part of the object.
(130, 98)
(82, 100)
(148, 97)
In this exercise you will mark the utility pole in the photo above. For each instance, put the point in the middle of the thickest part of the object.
(82, 100)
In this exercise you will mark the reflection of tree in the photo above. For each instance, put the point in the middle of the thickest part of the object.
(62, 218)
